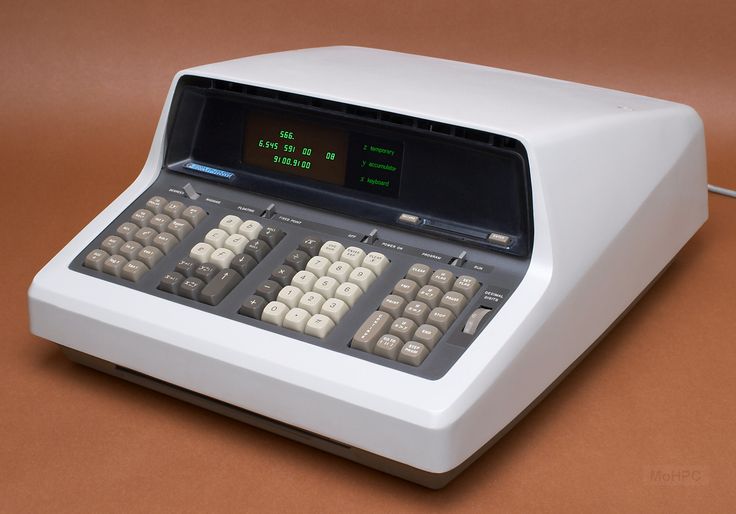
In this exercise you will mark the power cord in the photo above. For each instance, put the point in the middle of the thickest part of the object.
(721, 191)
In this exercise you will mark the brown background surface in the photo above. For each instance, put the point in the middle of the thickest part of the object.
(81, 88)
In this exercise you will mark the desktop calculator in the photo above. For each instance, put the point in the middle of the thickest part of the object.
(385, 256)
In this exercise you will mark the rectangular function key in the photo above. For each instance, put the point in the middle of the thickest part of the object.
(156, 204)
(180, 228)
(159, 222)
(111, 244)
(141, 217)
(194, 214)
(219, 287)
(113, 265)
(466, 285)
(174, 209)
(96, 259)
(419, 273)
(170, 282)
(388, 346)
(413, 353)
(150, 255)
(371, 330)
(253, 307)
(133, 270)
(310, 246)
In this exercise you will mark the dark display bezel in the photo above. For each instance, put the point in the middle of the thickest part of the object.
(462, 184)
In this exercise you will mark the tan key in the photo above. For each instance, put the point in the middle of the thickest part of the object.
(371, 330)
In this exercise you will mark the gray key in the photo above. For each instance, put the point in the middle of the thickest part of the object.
(186, 266)
(442, 279)
(206, 271)
(388, 346)
(271, 235)
(431, 295)
(174, 209)
(257, 249)
(413, 353)
(372, 328)
(310, 246)
(466, 285)
(441, 318)
(150, 255)
(165, 242)
(141, 217)
(417, 312)
(145, 236)
(112, 244)
(96, 259)
(253, 307)
(156, 204)
(243, 264)
(407, 289)
(113, 265)
(428, 335)
(133, 271)
(127, 231)
(454, 301)
(297, 259)
(219, 287)
(171, 281)
(180, 228)
(130, 250)
(190, 287)
(194, 214)
(403, 328)
(419, 273)
(159, 222)
(394, 305)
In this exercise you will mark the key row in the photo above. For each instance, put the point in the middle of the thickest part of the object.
(207, 283)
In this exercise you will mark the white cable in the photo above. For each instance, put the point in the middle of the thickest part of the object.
(721, 190)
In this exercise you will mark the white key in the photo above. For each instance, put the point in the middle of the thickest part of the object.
(335, 309)
(296, 319)
(319, 265)
(348, 293)
(318, 325)
(216, 238)
(230, 224)
(340, 271)
(332, 250)
(290, 296)
(353, 256)
(250, 229)
(222, 257)
(363, 277)
(304, 280)
(326, 286)
(376, 262)
(201, 252)
(236, 243)
(311, 302)
(274, 313)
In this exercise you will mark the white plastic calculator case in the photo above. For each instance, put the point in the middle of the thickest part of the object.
(387, 256)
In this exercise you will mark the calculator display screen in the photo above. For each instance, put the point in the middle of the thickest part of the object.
(288, 145)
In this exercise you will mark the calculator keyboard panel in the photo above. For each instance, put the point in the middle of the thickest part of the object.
(319, 284)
